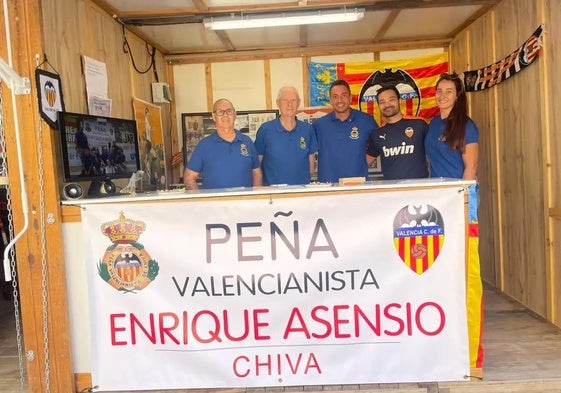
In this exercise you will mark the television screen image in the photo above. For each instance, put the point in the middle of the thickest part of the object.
(98, 149)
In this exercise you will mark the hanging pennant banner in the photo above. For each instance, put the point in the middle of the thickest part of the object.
(49, 95)
(503, 69)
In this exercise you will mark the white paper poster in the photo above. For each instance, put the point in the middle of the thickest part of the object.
(95, 74)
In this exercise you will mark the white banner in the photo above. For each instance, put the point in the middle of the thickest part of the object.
(332, 289)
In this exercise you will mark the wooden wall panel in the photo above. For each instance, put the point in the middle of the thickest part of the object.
(556, 272)
(552, 54)
(76, 28)
(518, 135)
(64, 45)
(70, 29)
(458, 52)
(100, 37)
(521, 155)
(552, 63)
(104, 43)
(482, 110)
(39, 249)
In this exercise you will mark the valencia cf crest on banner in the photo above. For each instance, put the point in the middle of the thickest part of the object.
(49, 94)
(418, 236)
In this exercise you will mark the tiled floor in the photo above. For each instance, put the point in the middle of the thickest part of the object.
(522, 354)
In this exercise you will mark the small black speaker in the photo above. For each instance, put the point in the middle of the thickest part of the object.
(72, 191)
(109, 187)
(101, 188)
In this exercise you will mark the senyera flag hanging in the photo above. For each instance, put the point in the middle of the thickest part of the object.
(414, 78)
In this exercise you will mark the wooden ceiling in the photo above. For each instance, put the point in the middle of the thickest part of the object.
(175, 27)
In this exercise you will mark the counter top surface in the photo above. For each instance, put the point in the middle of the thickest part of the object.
(269, 190)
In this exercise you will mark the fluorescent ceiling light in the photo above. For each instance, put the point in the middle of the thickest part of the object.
(288, 18)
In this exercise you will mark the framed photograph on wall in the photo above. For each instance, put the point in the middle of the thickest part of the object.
(196, 126)
(309, 115)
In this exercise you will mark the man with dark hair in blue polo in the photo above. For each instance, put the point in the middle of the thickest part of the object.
(400, 142)
(286, 145)
(226, 158)
(342, 137)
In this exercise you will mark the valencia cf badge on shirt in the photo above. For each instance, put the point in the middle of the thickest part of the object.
(409, 132)
(243, 149)
(354, 133)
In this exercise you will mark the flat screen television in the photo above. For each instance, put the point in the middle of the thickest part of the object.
(98, 149)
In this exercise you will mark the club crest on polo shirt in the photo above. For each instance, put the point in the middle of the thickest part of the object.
(409, 132)
(243, 149)
(302, 143)
(354, 133)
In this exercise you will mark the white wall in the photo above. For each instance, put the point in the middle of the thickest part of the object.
(286, 72)
(243, 82)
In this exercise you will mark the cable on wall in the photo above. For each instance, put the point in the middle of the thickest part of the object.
(127, 49)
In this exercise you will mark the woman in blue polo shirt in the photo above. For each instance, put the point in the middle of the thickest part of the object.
(452, 142)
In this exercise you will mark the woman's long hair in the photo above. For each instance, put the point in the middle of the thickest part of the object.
(455, 131)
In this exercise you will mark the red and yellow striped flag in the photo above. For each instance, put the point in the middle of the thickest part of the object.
(414, 78)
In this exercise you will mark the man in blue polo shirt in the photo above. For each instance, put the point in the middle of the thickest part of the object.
(226, 158)
(342, 137)
(286, 145)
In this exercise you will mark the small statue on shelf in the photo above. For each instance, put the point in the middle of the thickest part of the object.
(131, 186)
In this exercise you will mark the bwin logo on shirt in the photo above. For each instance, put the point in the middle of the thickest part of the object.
(398, 150)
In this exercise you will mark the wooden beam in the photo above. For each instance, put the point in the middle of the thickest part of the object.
(201, 5)
(387, 24)
(387, 5)
(174, 132)
(225, 39)
(208, 82)
(472, 18)
(306, 81)
(296, 51)
(39, 263)
(268, 88)
(303, 36)
(555, 213)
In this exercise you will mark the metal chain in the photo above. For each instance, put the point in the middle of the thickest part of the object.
(15, 289)
(44, 270)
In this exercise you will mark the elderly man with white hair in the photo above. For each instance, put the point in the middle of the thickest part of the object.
(286, 146)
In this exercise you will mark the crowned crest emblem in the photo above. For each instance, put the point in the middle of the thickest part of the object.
(126, 265)
(243, 149)
(354, 133)
(302, 143)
